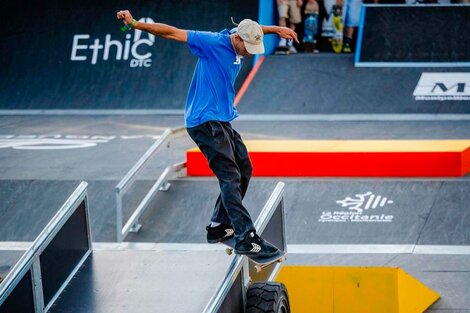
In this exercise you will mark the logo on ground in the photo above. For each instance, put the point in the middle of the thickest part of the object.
(60, 142)
(443, 86)
(358, 209)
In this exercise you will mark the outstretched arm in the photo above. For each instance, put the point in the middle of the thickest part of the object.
(283, 32)
(157, 29)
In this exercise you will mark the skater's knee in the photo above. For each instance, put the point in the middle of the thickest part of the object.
(228, 181)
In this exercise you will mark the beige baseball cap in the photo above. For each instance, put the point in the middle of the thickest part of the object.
(252, 35)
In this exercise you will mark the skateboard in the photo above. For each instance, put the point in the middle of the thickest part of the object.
(310, 31)
(333, 25)
(260, 262)
(337, 39)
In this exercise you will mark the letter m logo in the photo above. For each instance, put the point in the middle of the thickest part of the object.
(443, 84)
(460, 87)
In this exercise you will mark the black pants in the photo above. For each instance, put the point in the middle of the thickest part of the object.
(228, 159)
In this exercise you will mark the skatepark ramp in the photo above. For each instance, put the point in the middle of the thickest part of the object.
(142, 279)
(355, 289)
(45, 269)
(327, 87)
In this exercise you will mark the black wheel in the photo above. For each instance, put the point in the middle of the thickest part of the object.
(267, 297)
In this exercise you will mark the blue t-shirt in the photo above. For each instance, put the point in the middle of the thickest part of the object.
(211, 94)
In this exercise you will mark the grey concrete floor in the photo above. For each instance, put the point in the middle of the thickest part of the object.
(35, 182)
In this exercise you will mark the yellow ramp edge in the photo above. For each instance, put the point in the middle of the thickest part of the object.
(356, 145)
(410, 290)
(354, 290)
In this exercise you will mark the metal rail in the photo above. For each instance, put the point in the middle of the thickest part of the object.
(240, 264)
(132, 225)
(30, 261)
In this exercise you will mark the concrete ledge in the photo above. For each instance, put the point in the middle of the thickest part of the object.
(350, 158)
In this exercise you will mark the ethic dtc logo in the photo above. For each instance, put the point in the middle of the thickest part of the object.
(132, 48)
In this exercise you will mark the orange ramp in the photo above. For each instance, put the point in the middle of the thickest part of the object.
(354, 290)
(350, 158)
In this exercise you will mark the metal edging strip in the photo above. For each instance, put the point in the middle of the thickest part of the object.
(357, 56)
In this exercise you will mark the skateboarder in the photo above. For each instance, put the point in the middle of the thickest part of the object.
(208, 113)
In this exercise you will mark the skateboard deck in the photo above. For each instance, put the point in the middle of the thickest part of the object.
(260, 262)
(337, 40)
(310, 32)
(332, 26)
(310, 27)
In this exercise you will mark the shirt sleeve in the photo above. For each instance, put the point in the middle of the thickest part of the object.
(200, 42)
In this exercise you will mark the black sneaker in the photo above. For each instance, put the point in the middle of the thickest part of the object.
(219, 233)
(254, 245)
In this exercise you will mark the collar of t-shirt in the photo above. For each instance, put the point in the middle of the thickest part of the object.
(239, 58)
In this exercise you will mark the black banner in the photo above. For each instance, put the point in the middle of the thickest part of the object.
(418, 33)
(73, 55)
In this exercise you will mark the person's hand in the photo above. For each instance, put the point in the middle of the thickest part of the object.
(125, 16)
(300, 3)
(287, 33)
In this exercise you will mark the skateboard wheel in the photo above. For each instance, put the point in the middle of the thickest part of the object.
(228, 251)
